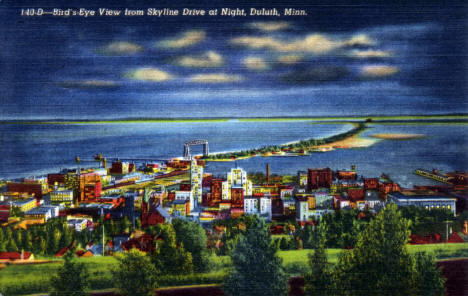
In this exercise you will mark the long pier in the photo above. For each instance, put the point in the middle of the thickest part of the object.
(433, 176)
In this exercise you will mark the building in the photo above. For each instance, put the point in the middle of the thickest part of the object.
(4, 212)
(16, 256)
(216, 190)
(302, 209)
(53, 179)
(428, 202)
(78, 224)
(318, 178)
(302, 178)
(182, 207)
(121, 168)
(237, 197)
(251, 205)
(24, 205)
(371, 183)
(265, 207)
(44, 212)
(196, 182)
(237, 178)
(61, 197)
(30, 188)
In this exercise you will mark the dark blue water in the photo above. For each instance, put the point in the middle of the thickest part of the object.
(37, 149)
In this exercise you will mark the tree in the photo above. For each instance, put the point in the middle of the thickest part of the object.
(11, 245)
(135, 274)
(72, 278)
(256, 268)
(319, 280)
(380, 264)
(429, 280)
(193, 237)
(168, 257)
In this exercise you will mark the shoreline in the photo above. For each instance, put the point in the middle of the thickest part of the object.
(345, 140)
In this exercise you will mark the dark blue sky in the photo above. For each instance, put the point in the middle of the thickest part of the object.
(340, 59)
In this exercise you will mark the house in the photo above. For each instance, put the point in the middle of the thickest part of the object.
(16, 256)
(78, 224)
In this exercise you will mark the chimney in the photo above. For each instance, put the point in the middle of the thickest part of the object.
(268, 173)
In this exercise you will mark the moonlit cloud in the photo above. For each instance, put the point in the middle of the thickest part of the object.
(289, 59)
(313, 43)
(121, 47)
(215, 78)
(186, 39)
(87, 84)
(269, 26)
(255, 63)
(206, 60)
(359, 40)
(369, 54)
(149, 74)
(376, 71)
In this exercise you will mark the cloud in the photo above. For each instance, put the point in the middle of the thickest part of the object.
(255, 63)
(313, 43)
(87, 84)
(362, 54)
(320, 74)
(215, 78)
(121, 47)
(377, 71)
(269, 26)
(359, 40)
(289, 59)
(186, 39)
(206, 60)
(149, 74)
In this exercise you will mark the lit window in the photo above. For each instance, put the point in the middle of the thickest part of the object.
(449, 207)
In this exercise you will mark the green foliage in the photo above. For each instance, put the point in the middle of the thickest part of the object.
(429, 279)
(256, 268)
(380, 263)
(135, 275)
(319, 280)
(341, 228)
(71, 278)
(193, 238)
(424, 222)
(168, 257)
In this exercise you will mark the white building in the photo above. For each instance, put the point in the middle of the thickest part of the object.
(265, 207)
(196, 179)
(250, 205)
(237, 178)
(302, 210)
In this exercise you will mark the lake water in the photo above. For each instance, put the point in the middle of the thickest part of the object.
(34, 149)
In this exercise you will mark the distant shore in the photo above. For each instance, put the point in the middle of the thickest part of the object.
(443, 118)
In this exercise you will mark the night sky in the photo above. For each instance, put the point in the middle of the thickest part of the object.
(340, 59)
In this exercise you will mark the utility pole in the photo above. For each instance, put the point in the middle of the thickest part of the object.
(103, 238)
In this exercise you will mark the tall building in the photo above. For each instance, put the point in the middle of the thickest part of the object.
(319, 178)
(196, 180)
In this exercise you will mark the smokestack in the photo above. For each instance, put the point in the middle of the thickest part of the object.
(268, 173)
